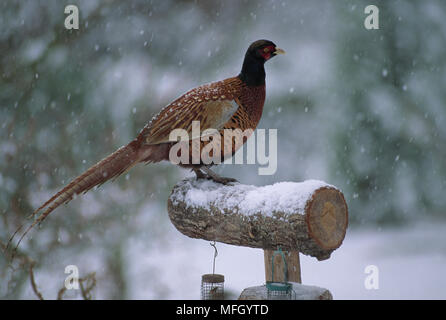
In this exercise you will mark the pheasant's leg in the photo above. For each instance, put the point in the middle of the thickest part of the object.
(216, 177)
(200, 174)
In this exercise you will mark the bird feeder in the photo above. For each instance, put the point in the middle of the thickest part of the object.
(309, 217)
(212, 287)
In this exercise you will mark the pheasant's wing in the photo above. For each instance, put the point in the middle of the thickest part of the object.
(211, 105)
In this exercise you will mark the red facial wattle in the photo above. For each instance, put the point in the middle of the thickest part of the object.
(267, 52)
(266, 56)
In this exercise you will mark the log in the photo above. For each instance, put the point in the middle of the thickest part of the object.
(310, 217)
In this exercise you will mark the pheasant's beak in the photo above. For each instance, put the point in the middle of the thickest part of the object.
(279, 51)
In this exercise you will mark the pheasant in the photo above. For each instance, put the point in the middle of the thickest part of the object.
(233, 103)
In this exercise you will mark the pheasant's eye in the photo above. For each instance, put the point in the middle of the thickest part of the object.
(266, 50)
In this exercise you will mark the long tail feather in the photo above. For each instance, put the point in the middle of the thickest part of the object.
(112, 166)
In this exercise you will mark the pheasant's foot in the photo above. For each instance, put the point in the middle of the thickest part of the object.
(213, 176)
(200, 174)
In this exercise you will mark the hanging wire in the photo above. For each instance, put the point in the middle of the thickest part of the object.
(215, 256)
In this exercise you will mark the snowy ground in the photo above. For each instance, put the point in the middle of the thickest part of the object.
(411, 262)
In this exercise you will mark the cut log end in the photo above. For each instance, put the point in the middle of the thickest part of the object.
(327, 217)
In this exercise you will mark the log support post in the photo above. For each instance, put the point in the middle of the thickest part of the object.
(293, 266)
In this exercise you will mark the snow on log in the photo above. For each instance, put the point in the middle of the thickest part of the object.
(310, 216)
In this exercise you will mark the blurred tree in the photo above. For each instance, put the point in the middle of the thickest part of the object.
(388, 140)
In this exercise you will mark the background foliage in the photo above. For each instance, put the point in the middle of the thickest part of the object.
(363, 110)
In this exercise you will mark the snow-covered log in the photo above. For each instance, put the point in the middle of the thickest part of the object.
(310, 217)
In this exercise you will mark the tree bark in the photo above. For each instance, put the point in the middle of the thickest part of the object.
(310, 217)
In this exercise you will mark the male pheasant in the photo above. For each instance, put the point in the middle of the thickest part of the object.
(233, 103)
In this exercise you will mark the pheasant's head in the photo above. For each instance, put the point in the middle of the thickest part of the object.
(263, 50)
(253, 70)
